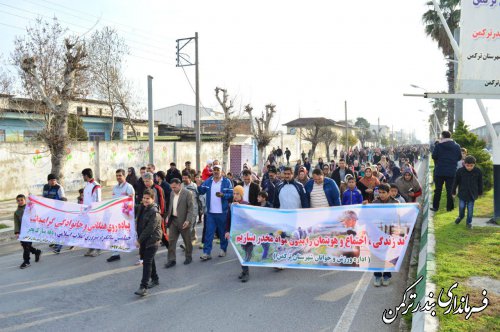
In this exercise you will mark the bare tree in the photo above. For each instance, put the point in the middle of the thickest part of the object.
(106, 52)
(261, 130)
(230, 123)
(328, 137)
(53, 70)
(313, 132)
(126, 102)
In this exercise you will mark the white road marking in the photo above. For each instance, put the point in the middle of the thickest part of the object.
(345, 321)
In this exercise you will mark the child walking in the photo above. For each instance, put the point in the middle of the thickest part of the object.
(469, 181)
(352, 195)
(384, 197)
(27, 247)
(149, 234)
(238, 192)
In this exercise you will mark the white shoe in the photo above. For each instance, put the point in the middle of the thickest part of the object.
(222, 253)
(139, 262)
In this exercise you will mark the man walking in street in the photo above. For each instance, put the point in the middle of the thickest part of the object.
(251, 189)
(121, 189)
(173, 172)
(290, 194)
(180, 218)
(54, 190)
(340, 172)
(219, 192)
(91, 194)
(446, 155)
(321, 191)
(287, 155)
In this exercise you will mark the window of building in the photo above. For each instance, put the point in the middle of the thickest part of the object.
(30, 135)
(97, 135)
(86, 111)
(2, 135)
(79, 110)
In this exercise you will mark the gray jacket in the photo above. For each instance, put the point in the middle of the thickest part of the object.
(185, 211)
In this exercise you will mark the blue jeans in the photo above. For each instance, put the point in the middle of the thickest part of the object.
(387, 275)
(215, 221)
(461, 210)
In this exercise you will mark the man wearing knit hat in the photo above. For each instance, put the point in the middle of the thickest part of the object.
(207, 171)
(54, 190)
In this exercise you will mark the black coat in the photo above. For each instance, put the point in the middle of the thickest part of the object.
(148, 225)
(253, 192)
(336, 175)
(470, 184)
(446, 156)
(171, 174)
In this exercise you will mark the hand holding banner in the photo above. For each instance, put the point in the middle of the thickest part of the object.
(357, 237)
(106, 225)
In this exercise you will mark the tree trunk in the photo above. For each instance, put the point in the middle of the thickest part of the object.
(225, 156)
(57, 142)
(450, 75)
(328, 152)
(260, 162)
(313, 149)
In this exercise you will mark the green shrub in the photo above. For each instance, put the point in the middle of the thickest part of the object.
(475, 147)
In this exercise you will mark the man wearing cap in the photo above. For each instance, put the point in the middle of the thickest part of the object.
(219, 192)
(207, 171)
(54, 190)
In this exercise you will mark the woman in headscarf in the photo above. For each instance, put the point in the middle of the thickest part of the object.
(408, 186)
(131, 177)
(367, 185)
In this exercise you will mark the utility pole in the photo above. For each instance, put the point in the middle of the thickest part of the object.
(378, 131)
(184, 61)
(151, 119)
(346, 131)
(198, 125)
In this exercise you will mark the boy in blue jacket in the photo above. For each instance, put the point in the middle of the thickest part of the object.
(352, 195)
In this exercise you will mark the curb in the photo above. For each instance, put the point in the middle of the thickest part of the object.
(424, 321)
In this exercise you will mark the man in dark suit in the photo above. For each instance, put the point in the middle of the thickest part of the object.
(338, 175)
(251, 189)
(180, 220)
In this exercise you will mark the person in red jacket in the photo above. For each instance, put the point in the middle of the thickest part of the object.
(207, 171)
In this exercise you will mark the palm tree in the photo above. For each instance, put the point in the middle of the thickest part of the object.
(436, 31)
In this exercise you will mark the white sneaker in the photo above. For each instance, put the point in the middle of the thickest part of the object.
(222, 253)
(377, 282)
(139, 262)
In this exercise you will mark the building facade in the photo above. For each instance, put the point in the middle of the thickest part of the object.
(21, 119)
(180, 115)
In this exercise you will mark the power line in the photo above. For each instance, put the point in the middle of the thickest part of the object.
(133, 55)
(194, 91)
(145, 33)
(132, 41)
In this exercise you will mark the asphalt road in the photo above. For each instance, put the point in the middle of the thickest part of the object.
(69, 292)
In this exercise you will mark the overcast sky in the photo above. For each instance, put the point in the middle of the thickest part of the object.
(301, 56)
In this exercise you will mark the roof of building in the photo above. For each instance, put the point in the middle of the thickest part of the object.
(307, 122)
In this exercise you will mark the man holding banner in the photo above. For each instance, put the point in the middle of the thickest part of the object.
(122, 189)
(290, 194)
(91, 194)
